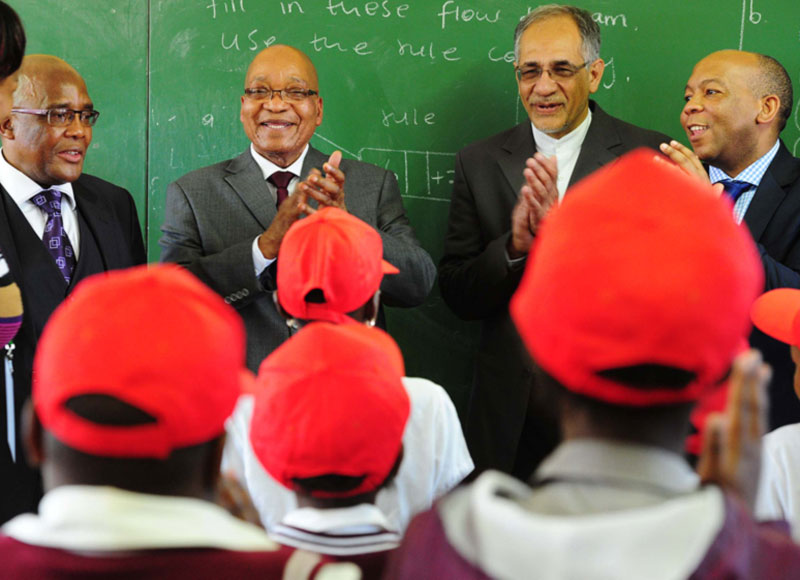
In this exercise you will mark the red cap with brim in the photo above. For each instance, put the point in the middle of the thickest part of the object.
(776, 314)
(155, 338)
(640, 265)
(336, 253)
(331, 400)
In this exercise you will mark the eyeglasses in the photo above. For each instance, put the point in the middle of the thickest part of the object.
(63, 117)
(286, 95)
(560, 72)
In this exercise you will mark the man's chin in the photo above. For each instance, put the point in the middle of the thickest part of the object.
(548, 125)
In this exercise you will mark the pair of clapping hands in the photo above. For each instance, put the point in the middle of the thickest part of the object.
(539, 192)
(326, 190)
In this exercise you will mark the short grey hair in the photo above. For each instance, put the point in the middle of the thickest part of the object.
(590, 32)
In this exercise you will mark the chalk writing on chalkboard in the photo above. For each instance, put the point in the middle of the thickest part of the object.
(753, 17)
(432, 169)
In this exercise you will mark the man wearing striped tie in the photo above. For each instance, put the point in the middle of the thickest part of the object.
(57, 227)
(737, 104)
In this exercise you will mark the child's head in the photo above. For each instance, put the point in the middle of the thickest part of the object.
(777, 313)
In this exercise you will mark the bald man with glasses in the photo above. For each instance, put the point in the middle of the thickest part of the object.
(57, 227)
(503, 188)
(226, 222)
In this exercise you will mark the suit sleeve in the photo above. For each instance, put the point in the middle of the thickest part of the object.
(475, 276)
(229, 272)
(784, 274)
(138, 252)
(402, 249)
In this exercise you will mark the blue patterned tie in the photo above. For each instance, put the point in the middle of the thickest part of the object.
(734, 188)
(55, 238)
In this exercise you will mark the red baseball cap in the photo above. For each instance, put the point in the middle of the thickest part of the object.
(336, 253)
(640, 264)
(776, 314)
(154, 338)
(330, 400)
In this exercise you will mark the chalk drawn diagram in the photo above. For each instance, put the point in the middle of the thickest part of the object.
(420, 174)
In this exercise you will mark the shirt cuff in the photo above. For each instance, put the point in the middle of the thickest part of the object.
(259, 261)
(515, 263)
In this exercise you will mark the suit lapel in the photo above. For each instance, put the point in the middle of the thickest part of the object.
(247, 181)
(595, 152)
(516, 150)
(314, 158)
(770, 193)
(95, 215)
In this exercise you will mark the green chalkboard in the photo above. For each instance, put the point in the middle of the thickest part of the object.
(106, 41)
(406, 84)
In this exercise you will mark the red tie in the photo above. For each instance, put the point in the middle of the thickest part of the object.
(281, 179)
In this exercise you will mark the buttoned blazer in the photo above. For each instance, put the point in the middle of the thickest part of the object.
(477, 283)
(213, 215)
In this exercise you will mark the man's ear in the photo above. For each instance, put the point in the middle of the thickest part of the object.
(596, 74)
(32, 435)
(7, 129)
(770, 105)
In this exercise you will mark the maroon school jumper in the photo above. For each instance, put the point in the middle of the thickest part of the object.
(742, 549)
(19, 560)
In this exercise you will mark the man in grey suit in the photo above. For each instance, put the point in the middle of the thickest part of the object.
(503, 187)
(222, 223)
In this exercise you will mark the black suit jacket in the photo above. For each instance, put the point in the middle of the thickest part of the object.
(110, 238)
(773, 218)
(477, 283)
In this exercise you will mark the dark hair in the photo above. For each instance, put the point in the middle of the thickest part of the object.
(12, 41)
(181, 470)
(631, 423)
(774, 80)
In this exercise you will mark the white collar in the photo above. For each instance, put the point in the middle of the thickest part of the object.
(365, 517)
(98, 518)
(22, 188)
(604, 460)
(548, 145)
(487, 526)
(268, 167)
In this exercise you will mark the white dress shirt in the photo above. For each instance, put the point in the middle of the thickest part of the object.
(566, 149)
(22, 188)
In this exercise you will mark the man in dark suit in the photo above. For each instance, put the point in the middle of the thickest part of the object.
(221, 222)
(87, 225)
(503, 187)
(737, 104)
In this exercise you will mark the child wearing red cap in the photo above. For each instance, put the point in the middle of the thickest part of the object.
(331, 269)
(129, 402)
(633, 304)
(330, 411)
(777, 314)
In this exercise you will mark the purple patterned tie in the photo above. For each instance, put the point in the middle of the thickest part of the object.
(281, 180)
(55, 238)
